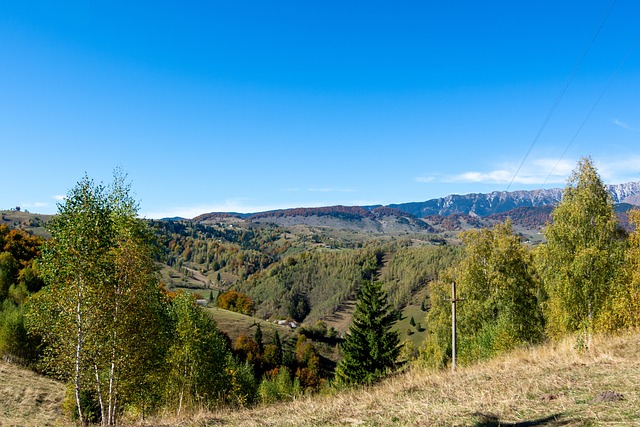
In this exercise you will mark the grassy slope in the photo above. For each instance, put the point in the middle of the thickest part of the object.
(29, 399)
(551, 386)
(235, 324)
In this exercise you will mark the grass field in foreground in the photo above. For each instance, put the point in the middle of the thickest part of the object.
(552, 385)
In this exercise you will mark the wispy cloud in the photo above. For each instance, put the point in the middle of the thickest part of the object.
(32, 205)
(536, 172)
(331, 190)
(59, 197)
(624, 125)
(425, 179)
(619, 169)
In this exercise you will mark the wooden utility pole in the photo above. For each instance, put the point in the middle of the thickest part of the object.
(453, 324)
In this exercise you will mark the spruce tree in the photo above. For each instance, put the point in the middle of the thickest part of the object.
(278, 344)
(371, 347)
(258, 337)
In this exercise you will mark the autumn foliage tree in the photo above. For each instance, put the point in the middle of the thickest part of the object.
(580, 263)
(100, 313)
(236, 301)
(623, 308)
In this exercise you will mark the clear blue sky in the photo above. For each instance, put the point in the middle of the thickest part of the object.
(249, 106)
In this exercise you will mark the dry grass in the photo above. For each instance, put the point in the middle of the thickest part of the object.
(234, 324)
(552, 385)
(548, 386)
(29, 399)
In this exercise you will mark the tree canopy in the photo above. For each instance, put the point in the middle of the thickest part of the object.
(582, 257)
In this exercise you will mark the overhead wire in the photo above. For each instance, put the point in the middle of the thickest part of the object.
(562, 91)
(604, 90)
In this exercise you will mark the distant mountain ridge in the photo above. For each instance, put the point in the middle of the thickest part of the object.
(379, 220)
(527, 208)
(482, 205)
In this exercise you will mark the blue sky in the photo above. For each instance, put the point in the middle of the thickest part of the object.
(249, 106)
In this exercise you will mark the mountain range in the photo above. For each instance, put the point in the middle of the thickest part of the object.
(530, 209)
(497, 202)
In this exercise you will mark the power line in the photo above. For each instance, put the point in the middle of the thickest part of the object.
(562, 92)
(611, 79)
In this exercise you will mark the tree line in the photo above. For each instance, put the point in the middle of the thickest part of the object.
(584, 279)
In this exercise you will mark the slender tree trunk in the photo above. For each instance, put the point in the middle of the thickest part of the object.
(113, 367)
(100, 400)
(79, 339)
(112, 402)
(180, 400)
(112, 370)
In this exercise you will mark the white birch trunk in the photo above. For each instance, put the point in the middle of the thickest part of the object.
(99, 389)
(76, 377)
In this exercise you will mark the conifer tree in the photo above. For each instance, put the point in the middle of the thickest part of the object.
(258, 337)
(371, 347)
(278, 345)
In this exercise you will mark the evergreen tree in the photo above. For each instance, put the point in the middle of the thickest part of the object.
(273, 351)
(258, 338)
(370, 348)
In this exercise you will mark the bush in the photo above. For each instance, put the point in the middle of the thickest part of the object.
(15, 344)
(280, 387)
(243, 390)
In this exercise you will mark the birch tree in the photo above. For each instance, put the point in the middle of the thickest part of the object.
(101, 313)
(582, 257)
(197, 359)
(76, 261)
(500, 309)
